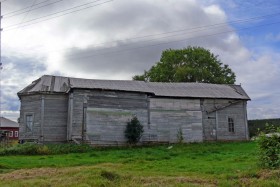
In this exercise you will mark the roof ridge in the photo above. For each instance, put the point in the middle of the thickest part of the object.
(161, 89)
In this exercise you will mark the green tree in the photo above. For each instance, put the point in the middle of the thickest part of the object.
(191, 64)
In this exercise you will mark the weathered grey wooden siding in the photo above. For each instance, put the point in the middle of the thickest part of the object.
(50, 117)
(168, 116)
(215, 123)
(30, 104)
(55, 118)
(107, 113)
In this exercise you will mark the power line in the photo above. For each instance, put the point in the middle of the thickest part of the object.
(31, 9)
(190, 30)
(7, 28)
(195, 29)
(27, 12)
(25, 8)
(163, 43)
(25, 16)
(16, 25)
(213, 25)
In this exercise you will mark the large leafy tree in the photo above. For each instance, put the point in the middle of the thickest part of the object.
(192, 64)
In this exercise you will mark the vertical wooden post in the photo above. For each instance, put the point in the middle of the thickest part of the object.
(70, 117)
(149, 112)
(42, 119)
(217, 123)
(246, 120)
(84, 119)
(0, 54)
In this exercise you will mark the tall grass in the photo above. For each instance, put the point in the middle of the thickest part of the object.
(205, 164)
(48, 149)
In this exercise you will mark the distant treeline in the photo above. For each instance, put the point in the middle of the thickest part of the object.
(256, 124)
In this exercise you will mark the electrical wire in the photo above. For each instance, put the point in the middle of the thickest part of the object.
(21, 25)
(181, 31)
(164, 43)
(236, 21)
(6, 17)
(24, 8)
(27, 12)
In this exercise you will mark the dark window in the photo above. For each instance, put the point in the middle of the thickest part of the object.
(230, 125)
(29, 122)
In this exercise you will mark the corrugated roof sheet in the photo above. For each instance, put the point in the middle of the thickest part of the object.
(59, 84)
(4, 122)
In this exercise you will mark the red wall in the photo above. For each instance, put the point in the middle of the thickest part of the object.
(12, 129)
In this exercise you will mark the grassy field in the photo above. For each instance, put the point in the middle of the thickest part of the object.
(207, 164)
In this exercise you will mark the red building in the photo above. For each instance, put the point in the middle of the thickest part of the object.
(11, 126)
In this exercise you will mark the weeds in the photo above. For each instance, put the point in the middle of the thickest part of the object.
(49, 149)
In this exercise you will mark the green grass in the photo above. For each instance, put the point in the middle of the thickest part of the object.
(207, 164)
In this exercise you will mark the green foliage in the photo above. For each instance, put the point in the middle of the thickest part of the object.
(269, 147)
(133, 131)
(38, 149)
(257, 125)
(192, 64)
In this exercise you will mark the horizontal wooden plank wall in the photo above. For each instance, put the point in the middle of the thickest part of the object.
(49, 126)
(30, 104)
(107, 114)
(109, 111)
(169, 116)
(55, 118)
(235, 109)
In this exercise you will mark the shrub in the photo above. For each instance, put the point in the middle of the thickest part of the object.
(133, 131)
(269, 148)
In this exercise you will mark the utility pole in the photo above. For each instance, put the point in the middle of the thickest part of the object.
(0, 58)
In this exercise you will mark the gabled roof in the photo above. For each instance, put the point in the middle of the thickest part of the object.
(57, 84)
(4, 122)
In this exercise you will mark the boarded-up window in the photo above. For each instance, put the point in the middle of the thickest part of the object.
(29, 122)
(230, 124)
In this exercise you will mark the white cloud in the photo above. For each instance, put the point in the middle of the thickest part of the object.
(99, 45)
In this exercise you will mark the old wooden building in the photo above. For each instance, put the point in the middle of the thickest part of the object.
(60, 109)
(10, 127)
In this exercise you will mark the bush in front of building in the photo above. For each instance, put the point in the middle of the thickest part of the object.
(133, 131)
(269, 147)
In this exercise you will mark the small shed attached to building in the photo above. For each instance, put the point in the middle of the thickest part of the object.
(60, 109)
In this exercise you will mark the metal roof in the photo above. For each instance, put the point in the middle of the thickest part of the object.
(4, 122)
(57, 84)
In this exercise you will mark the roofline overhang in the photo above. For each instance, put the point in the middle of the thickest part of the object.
(40, 93)
(151, 94)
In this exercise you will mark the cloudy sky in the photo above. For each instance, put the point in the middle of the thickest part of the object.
(116, 39)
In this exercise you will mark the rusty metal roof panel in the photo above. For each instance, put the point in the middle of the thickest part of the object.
(124, 85)
(198, 90)
(59, 84)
